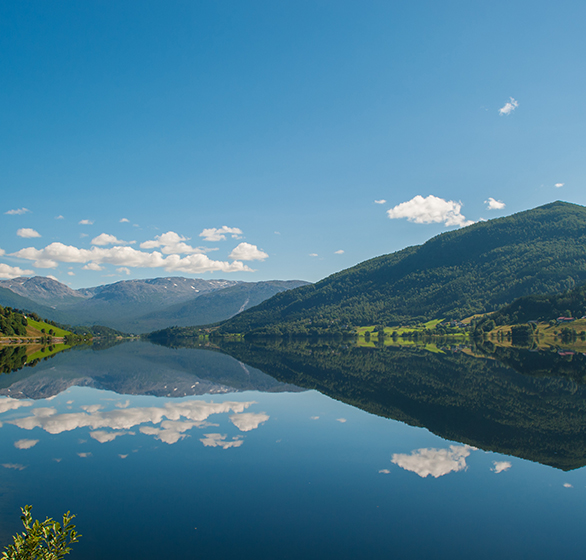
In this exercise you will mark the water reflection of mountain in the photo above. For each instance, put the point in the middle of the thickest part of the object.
(138, 368)
(478, 401)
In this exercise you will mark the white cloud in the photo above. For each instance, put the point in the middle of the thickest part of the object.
(86, 222)
(10, 272)
(92, 266)
(60, 217)
(123, 270)
(384, 471)
(248, 421)
(342, 420)
(27, 233)
(84, 455)
(247, 252)
(314, 417)
(313, 254)
(218, 440)
(104, 437)
(567, 485)
(381, 201)
(501, 466)
(431, 209)
(434, 462)
(71, 273)
(17, 212)
(509, 107)
(559, 185)
(340, 252)
(172, 243)
(52, 277)
(53, 254)
(8, 403)
(122, 456)
(219, 234)
(107, 239)
(16, 466)
(493, 204)
(2, 252)
(124, 404)
(25, 443)
(124, 221)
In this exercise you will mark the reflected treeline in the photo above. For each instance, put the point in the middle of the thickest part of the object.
(512, 401)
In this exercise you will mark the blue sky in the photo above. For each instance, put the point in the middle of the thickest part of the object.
(250, 140)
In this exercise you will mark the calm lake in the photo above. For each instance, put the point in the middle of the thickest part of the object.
(291, 451)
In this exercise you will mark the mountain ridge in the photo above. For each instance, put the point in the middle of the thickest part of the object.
(475, 269)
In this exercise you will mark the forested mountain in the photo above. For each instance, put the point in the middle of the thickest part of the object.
(471, 270)
(571, 303)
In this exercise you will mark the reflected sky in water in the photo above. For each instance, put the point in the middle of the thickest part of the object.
(273, 475)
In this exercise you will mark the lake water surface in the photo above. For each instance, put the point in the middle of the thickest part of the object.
(301, 451)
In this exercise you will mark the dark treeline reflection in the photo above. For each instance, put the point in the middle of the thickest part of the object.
(513, 401)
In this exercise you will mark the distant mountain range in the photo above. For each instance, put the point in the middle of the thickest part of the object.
(459, 273)
(138, 305)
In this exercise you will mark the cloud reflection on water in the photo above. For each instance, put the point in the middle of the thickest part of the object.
(168, 423)
(434, 462)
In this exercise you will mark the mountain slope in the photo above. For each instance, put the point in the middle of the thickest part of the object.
(213, 306)
(456, 274)
(543, 307)
(42, 290)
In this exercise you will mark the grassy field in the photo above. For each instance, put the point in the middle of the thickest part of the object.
(35, 327)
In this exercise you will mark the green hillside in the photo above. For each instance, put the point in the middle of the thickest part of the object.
(544, 307)
(459, 273)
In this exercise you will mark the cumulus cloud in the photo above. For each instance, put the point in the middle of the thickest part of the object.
(493, 204)
(85, 455)
(342, 420)
(107, 239)
(27, 233)
(172, 243)
(8, 403)
(10, 272)
(431, 209)
(16, 466)
(501, 466)
(219, 440)
(559, 185)
(123, 270)
(248, 421)
(509, 107)
(247, 252)
(381, 201)
(60, 217)
(219, 234)
(25, 443)
(17, 212)
(92, 266)
(124, 221)
(384, 471)
(567, 485)
(339, 252)
(53, 254)
(434, 462)
(86, 222)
